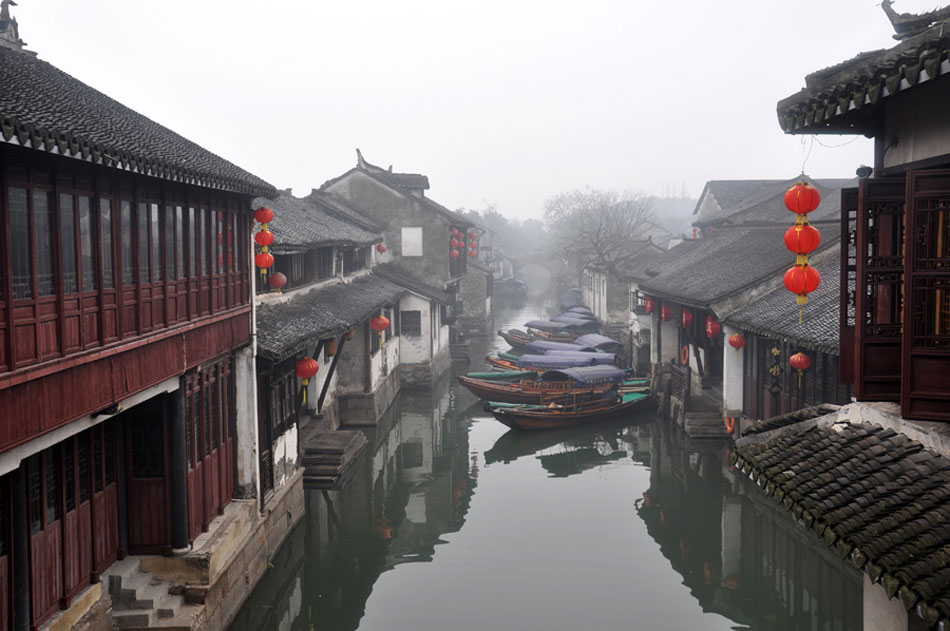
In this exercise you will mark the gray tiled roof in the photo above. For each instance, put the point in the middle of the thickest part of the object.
(702, 271)
(876, 497)
(763, 201)
(400, 277)
(342, 210)
(776, 315)
(845, 97)
(636, 266)
(284, 329)
(46, 109)
(297, 222)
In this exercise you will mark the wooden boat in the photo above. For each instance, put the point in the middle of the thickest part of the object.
(519, 339)
(534, 417)
(552, 360)
(498, 375)
(556, 385)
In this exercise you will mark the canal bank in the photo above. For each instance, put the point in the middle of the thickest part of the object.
(449, 521)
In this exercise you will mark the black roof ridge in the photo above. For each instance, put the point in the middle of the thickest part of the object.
(15, 128)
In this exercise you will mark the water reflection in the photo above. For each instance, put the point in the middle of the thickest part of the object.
(612, 526)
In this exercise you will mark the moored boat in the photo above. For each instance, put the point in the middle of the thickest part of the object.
(535, 417)
(555, 385)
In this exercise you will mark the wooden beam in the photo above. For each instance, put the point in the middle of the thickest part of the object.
(326, 383)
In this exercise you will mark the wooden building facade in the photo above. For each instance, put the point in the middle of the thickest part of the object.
(125, 299)
(895, 273)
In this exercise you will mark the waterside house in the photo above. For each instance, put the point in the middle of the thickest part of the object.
(872, 477)
(694, 286)
(126, 322)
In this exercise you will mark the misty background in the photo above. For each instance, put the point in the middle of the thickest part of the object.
(501, 104)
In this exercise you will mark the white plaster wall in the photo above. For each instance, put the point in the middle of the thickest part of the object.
(919, 123)
(417, 428)
(670, 339)
(315, 387)
(880, 612)
(350, 367)
(416, 508)
(411, 241)
(385, 360)
(654, 338)
(248, 464)
(417, 349)
(285, 454)
(733, 363)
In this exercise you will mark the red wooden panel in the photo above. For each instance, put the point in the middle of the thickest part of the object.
(77, 533)
(90, 320)
(5, 586)
(106, 537)
(204, 295)
(213, 502)
(129, 311)
(110, 316)
(228, 471)
(148, 516)
(46, 572)
(71, 324)
(4, 357)
(925, 388)
(879, 267)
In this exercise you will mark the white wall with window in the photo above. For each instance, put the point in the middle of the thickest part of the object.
(415, 321)
(411, 239)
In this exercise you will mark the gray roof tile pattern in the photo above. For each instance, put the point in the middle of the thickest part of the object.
(636, 266)
(406, 180)
(340, 209)
(778, 422)
(702, 271)
(874, 496)
(299, 224)
(776, 315)
(398, 276)
(845, 96)
(284, 329)
(763, 201)
(44, 108)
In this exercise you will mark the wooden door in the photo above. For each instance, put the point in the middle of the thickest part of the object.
(880, 289)
(926, 358)
(6, 586)
(77, 514)
(46, 563)
(105, 498)
(149, 530)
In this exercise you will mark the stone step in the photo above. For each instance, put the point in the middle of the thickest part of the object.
(139, 619)
(324, 470)
(323, 458)
(707, 432)
(319, 481)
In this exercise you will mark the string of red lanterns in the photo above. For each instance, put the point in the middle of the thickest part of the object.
(264, 238)
(802, 239)
(801, 362)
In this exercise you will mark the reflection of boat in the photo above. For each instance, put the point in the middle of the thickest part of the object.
(514, 443)
(585, 381)
(531, 417)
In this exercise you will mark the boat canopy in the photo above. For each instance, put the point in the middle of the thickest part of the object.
(574, 326)
(587, 375)
(582, 310)
(573, 318)
(599, 341)
(573, 297)
(549, 362)
(546, 325)
(596, 358)
(542, 346)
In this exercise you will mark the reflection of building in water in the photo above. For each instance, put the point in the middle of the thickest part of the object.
(758, 561)
(414, 485)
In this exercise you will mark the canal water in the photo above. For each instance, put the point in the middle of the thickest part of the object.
(450, 521)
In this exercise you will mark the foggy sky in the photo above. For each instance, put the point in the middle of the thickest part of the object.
(508, 102)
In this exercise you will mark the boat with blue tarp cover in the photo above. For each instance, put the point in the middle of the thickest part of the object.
(600, 342)
(578, 327)
(565, 359)
(540, 347)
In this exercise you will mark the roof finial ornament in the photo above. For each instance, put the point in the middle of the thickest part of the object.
(909, 24)
(360, 162)
(9, 30)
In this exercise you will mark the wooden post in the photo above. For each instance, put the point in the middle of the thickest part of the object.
(326, 383)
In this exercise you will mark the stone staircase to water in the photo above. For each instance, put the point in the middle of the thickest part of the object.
(141, 601)
(703, 419)
(328, 456)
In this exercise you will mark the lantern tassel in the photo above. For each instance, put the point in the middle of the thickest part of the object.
(800, 379)
(305, 382)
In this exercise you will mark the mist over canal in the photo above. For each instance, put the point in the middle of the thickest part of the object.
(450, 521)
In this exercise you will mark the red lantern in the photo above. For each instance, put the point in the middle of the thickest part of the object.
(455, 243)
(800, 362)
(665, 313)
(472, 235)
(454, 254)
(802, 280)
(713, 327)
(455, 232)
(473, 253)
(264, 215)
(687, 317)
(736, 341)
(380, 248)
(802, 239)
(649, 305)
(264, 260)
(351, 334)
(277, 281)
(379, 323)
(472, 244)
(802, 198)
(264, 238)
(306, 368)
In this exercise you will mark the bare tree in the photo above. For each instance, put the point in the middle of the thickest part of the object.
(602, 228)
